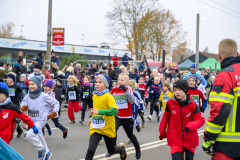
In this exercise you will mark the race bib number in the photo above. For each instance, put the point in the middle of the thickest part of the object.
(11, 92)
(196, 99)
(72, 95)
(121, 101)
(98, 122)
(85, 94)
(166, 98)
(33, 113)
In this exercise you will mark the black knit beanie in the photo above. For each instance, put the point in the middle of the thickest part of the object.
(182, 84)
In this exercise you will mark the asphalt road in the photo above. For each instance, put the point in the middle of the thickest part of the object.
(74, 147)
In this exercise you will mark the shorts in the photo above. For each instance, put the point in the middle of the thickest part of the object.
(178, 149)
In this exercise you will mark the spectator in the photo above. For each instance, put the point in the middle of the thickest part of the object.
(54, 70)
(115, 60)
(110, 68)
(39, 59)
(128, 67)
(134, 76)
(77, 74)
(79, 65)
(113, 75)
(18, 69)
(68, 72)
(100, 65)
(93, 69)
(54, 58)
(61, 75)
(20, 55)
(31, 67)
(141, 66)
(3, 73)
(192, 71)
(45, 71)
(125, 59)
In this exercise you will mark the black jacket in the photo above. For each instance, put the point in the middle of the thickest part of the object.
(40, 61)
(54, 71)
(86, 93)
(14, 92)
(59, 91)
(73, 90)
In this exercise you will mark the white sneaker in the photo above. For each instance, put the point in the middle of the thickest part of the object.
(82, 122)
(149, 117)
(101, 141)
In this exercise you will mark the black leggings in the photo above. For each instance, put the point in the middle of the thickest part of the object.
(93, 143)
(179, 155)
(128, 128)
(141, 115)
(155, 107)
(84, 107)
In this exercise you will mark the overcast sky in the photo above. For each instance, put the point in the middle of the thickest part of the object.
(88, 17)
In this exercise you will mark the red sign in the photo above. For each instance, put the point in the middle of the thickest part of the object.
(58, 36)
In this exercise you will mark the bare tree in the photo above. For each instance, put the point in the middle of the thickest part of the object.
(123, 21)
(7, 30)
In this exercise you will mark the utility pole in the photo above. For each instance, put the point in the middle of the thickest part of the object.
(49, 30)
(197, 45)
(22, 30)
(82, 38)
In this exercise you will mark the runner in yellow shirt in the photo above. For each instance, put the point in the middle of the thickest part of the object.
(103, 120)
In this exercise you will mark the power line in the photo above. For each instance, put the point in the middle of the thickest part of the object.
(225, 7)
(219, 9)
(220, 23)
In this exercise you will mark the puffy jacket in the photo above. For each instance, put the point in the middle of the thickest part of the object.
(40, 61)
(134, 77)
(177, 118)
(125, 59)
(47, 75)
(141, 67)
(3, 73)
(59, 91)
(9, 113)
(115, 60)
(223, 125)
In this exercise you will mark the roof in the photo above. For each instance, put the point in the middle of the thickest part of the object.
(186, 64)
(208, 55)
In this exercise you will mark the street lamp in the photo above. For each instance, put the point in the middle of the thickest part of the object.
(82, 38)
(22, 30)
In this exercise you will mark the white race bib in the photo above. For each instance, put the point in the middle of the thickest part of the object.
(166, 98)
(121, 101)
(11, 92)
(98, 122)
(85, 94)
(72, 95)
(196, 99)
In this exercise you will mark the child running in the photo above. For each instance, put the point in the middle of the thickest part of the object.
(103, 121)
(47, 86)
(183, 117)
(37, 103)
(73, 98)
(86, 96)
(123, 95)
(196, 93)
(154, 91)
(166, 94)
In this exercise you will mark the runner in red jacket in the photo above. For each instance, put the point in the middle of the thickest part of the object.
(8, 114)
(183, 118)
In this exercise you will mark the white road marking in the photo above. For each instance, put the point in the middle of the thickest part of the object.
(45, 129)
(146, 146)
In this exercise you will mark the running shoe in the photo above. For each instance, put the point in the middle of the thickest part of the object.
(48, 156)
(41, 154)
(65, 133)
(123, 154)
(73, 121)
(108, 155)
(138, 154)
(149, 117)
(101, 140)
(19, 134)
(138, 126)
(82, 122)
(143, 124)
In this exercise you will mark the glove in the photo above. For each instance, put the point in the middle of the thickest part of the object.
(52, 115)
(202, 109)
(35, 130)
(162, 136)
(207, 147)
(24, 108)
(123, 88)
(186, 129)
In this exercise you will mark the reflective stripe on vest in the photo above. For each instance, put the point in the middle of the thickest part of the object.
(213, 128)
(221, 97)
(228, 137)
(236, 91)
(231, 121)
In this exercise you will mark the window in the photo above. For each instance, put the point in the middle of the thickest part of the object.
(30, 56)
(15, 56)
(6, 56)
